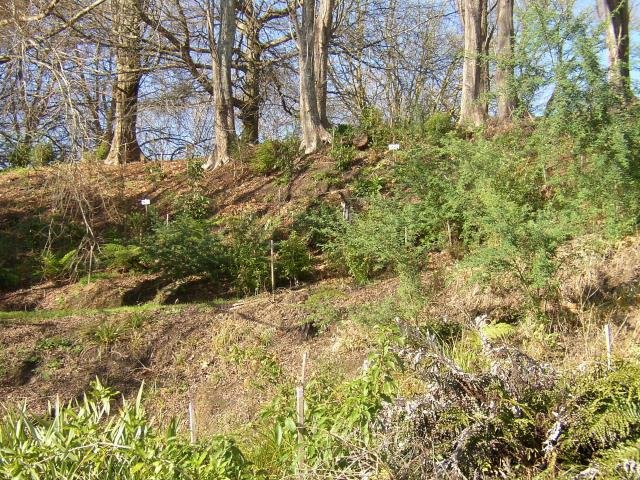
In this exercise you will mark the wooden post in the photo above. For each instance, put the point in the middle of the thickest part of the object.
(192, 422)
(273, 272)
(609, 343)
(300, 414)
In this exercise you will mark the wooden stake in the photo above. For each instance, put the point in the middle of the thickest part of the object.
(273, 272)
(609, 342)
(167, 221)
(300, 412)
(192, 422)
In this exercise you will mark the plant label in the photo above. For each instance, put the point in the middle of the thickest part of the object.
(394, 146)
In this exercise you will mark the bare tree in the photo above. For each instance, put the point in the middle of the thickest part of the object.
(126, 28)
(311, 32)
(615, 14)
(473, 106)
(221, 52)
(504, 53)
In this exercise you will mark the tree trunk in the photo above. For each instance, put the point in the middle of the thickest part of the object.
(221, 52)
(124, 143)
(616, 17)
(473, 108)
(323, 32)
(504, 50)
(313, 131)
(251, 56)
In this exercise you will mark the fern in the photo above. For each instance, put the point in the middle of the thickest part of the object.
(607, 412)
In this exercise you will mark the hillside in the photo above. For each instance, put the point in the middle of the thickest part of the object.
(463, 300)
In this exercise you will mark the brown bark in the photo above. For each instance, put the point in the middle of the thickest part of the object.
(126, 27)
(473, 107)
(323, 32)
(615, 14)
(221, 51)
(314, 133)
(251, 57)
(504, 51)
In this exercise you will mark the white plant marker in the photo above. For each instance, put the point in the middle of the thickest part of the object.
(192, 422)
(609, 342)
(146, 202)
(394, 146)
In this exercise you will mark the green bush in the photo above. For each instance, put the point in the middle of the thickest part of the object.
(54, 267)
(185, 247)
(319, 222)
(374, 241)
(123, 258)
(24, 155)
(90, 441)
(194, 204)
(275, 156)
(248, 250)
(437, 125)
(343, 155)
(293, 260)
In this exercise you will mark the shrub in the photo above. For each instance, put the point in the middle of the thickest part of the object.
(123, 258)
(194, 204)
(294, 261)
(275, 156)
(320, 223)
(185, 247)
(248, 246)
(374, 241)
(24, 155)
(53, 266)
(343, 155)
(436, 126)
(89, 440)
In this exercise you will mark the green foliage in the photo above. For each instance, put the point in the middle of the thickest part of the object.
(185, 247)
(275, 156)
(122, 258)
(374, 241)
(605, 413)
(248, 250)
(293, 258)
(194, 204)
(373, 123)
(53, 267)
(102, 151)
(24, 155)
(320, 223)
(90, 441)
(339, 418)
(343, 155)
(195, 172)
(436, 126)
(320, 309)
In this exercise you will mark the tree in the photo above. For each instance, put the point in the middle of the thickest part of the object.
(127, 35)
(473, 107)
(615, 14)
(221, 52)
(504, 52)
(313, 31)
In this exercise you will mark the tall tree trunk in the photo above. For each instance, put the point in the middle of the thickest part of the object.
(323, 32)
(314, 133)
(221, 52)
(251, 56)
(473, 107)
(504, 50)
(616, 17)
(126, 26)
